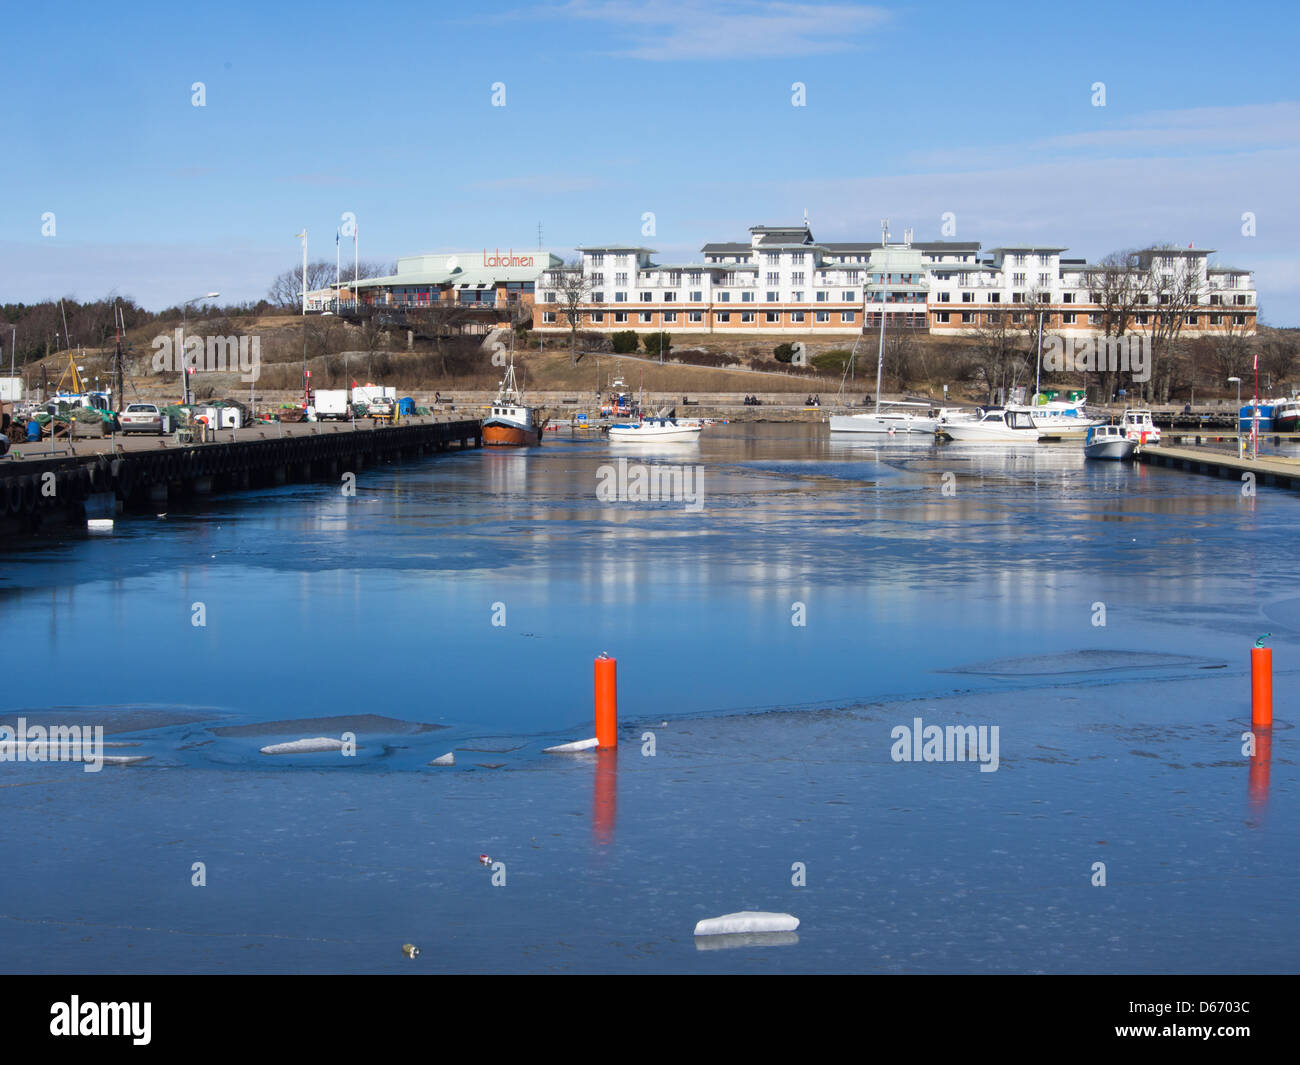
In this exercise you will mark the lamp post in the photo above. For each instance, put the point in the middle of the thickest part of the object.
(185, 372)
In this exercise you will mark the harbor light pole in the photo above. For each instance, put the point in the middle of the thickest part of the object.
(185, 370)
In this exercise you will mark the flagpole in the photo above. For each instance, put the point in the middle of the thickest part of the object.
(337, 275)
(356, 264)
(303, 234)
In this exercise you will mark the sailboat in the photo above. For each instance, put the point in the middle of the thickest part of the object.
(887, 418)
(512, 422)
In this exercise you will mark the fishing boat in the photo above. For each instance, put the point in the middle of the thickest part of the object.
(1286, 415)
(999, 425)
(1108, 442)
(657, 430)
(512, 422)
(1139, 427)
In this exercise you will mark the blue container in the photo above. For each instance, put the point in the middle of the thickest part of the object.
(406, 405)
(1246, 416)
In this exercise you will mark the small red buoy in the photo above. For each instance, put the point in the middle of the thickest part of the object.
(483, 859)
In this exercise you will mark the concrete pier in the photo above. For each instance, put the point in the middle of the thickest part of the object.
(44, 488)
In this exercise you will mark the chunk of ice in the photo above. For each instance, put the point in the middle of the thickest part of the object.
(445, 759)
(569, 748)
(746, 921)
(319, 743)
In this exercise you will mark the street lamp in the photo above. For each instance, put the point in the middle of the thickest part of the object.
(185, 373)
(1237, 381)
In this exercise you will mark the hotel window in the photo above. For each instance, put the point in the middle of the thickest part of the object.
(848, 316)
(968, 297)
(796, 316)
(821, 296)
(646, 317)
(1141, 319)
(967, 317)
(1017, 297)
(670, 317)
(943, 297)
(697, 297)
(796, 278)
(746, 297)
(747, 316)
(724, 297)
(694, 277)
(1094, 319)
(796, 297)
(548, 316)
(1216, 319)
(1018, 260)
(773, 279)
(942, 317)
(1067, 318)
(620, 297)
(848, 296)
(1238, 319)
(620, 317)
(597, 316)
(598, 297)
(772, 316)
(597, 279)
(598, 259)
(1044, 281)
(647, 297)
(675, 279)
(1017, 279)
(1143, 300)
(772, 297)
(796, 257)
(1193, 319)
(771, 258)
(851, 277)
(549, 298)
(723, 316)
(620, 279)
(695, 316)
(995, 297)
(1017, 319)
(669, 297)
(822, 316)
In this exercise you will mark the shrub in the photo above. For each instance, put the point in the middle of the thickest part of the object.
(657, 343)
(624, 342)
(784, 352)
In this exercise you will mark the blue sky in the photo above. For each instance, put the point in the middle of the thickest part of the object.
(613, 109)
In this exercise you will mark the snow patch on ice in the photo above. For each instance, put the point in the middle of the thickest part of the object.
(746, 921)
(569, 748)
(319, 743)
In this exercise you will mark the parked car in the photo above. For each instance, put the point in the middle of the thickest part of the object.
(142, 418)
(381, 407)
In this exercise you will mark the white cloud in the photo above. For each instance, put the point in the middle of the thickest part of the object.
(726, 29)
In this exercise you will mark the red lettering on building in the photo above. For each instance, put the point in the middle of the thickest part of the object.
(509, 259)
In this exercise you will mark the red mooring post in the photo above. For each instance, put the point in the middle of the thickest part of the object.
(1261, 687)
(606, 682)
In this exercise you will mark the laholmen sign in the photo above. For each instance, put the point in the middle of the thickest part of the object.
(508, 259)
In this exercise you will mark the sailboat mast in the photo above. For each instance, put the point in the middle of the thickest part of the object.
(1038, 373)
(884, 299)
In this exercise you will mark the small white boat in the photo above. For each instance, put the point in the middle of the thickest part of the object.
(656, 430)
(1139, 427)
(1063, 419)
(995, 426)
(1108, 442)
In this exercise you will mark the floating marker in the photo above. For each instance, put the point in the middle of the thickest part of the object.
(1261, 684)
(606, 683)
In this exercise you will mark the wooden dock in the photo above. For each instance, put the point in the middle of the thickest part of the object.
(45, 486)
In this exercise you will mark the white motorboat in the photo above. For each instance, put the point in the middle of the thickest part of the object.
(1108, 442)
(656, 430)
(998, 425)
(1139, 427)
(1063, 419)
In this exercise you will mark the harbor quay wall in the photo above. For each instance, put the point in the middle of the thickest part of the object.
(44, 491)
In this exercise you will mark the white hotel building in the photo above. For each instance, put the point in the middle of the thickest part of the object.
(784, 282)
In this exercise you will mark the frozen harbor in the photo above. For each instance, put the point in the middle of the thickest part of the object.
(770, 645)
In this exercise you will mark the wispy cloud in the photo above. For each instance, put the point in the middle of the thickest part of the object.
(727, 29)
(552, 184)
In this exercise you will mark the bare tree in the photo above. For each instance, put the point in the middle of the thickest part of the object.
(570, 289)
(286, 289)
(999, 351)
(1175, 290)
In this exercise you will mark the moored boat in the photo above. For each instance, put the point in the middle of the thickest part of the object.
(998, 425)
(512, 422)
(1139, 427)
(1108, 442)
(656, 430)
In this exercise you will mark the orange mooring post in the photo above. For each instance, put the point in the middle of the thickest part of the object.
(606, 701)
(1261, 687)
